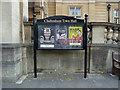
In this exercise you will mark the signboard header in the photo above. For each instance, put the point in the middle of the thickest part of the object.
(60, 19)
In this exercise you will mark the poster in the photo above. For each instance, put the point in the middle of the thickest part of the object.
(46, 38)
(61, 36)
(75, 36)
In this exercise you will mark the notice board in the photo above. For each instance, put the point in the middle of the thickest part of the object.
(60, 32)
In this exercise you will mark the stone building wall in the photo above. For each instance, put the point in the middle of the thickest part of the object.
(73, 60)
(11, 63)
(52, 8)
(96, 10)
(18, 60)
(14, 62)
(13, 53)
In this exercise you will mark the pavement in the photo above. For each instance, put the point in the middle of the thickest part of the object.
(65, 80)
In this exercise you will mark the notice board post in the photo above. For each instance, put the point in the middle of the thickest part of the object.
(85, 45)
(35, 46)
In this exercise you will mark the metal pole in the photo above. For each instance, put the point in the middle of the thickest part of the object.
(85, 62)
(108, 7)
(35, 59)
(109, 16)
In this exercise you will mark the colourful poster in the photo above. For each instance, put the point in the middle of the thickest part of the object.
(61, 37)
(75, 36)
(61, 34)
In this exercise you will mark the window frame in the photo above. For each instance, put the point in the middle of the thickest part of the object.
(75, 7)
(116, 17)
(70, 11)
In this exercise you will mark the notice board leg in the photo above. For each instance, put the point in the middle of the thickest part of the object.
(85, 65)
(85, 61)
(35, 59)
(35, 65)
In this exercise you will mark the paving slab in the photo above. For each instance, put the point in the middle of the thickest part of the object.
(66, 80)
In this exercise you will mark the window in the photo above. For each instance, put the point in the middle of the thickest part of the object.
(116, 13)
(116, 16)
(71, 11)
(75, 12)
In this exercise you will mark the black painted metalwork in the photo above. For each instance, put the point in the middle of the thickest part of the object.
(85, 45)
(35, 46)
(109, 7)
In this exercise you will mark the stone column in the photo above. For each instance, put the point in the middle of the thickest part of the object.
(25, 10)
(109, 35)
(10, 22)
(115, 35)
(15, 12)
(6, 22)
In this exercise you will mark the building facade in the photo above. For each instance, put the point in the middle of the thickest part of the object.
(13, 16)
(96, 9)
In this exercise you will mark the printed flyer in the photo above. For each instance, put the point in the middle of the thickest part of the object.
(46, 38)
(75, 36)
(61, 36)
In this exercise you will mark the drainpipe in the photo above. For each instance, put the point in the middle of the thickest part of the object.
(33, 7)
(108, 7)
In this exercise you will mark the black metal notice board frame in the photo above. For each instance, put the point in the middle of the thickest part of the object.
(52, 34)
